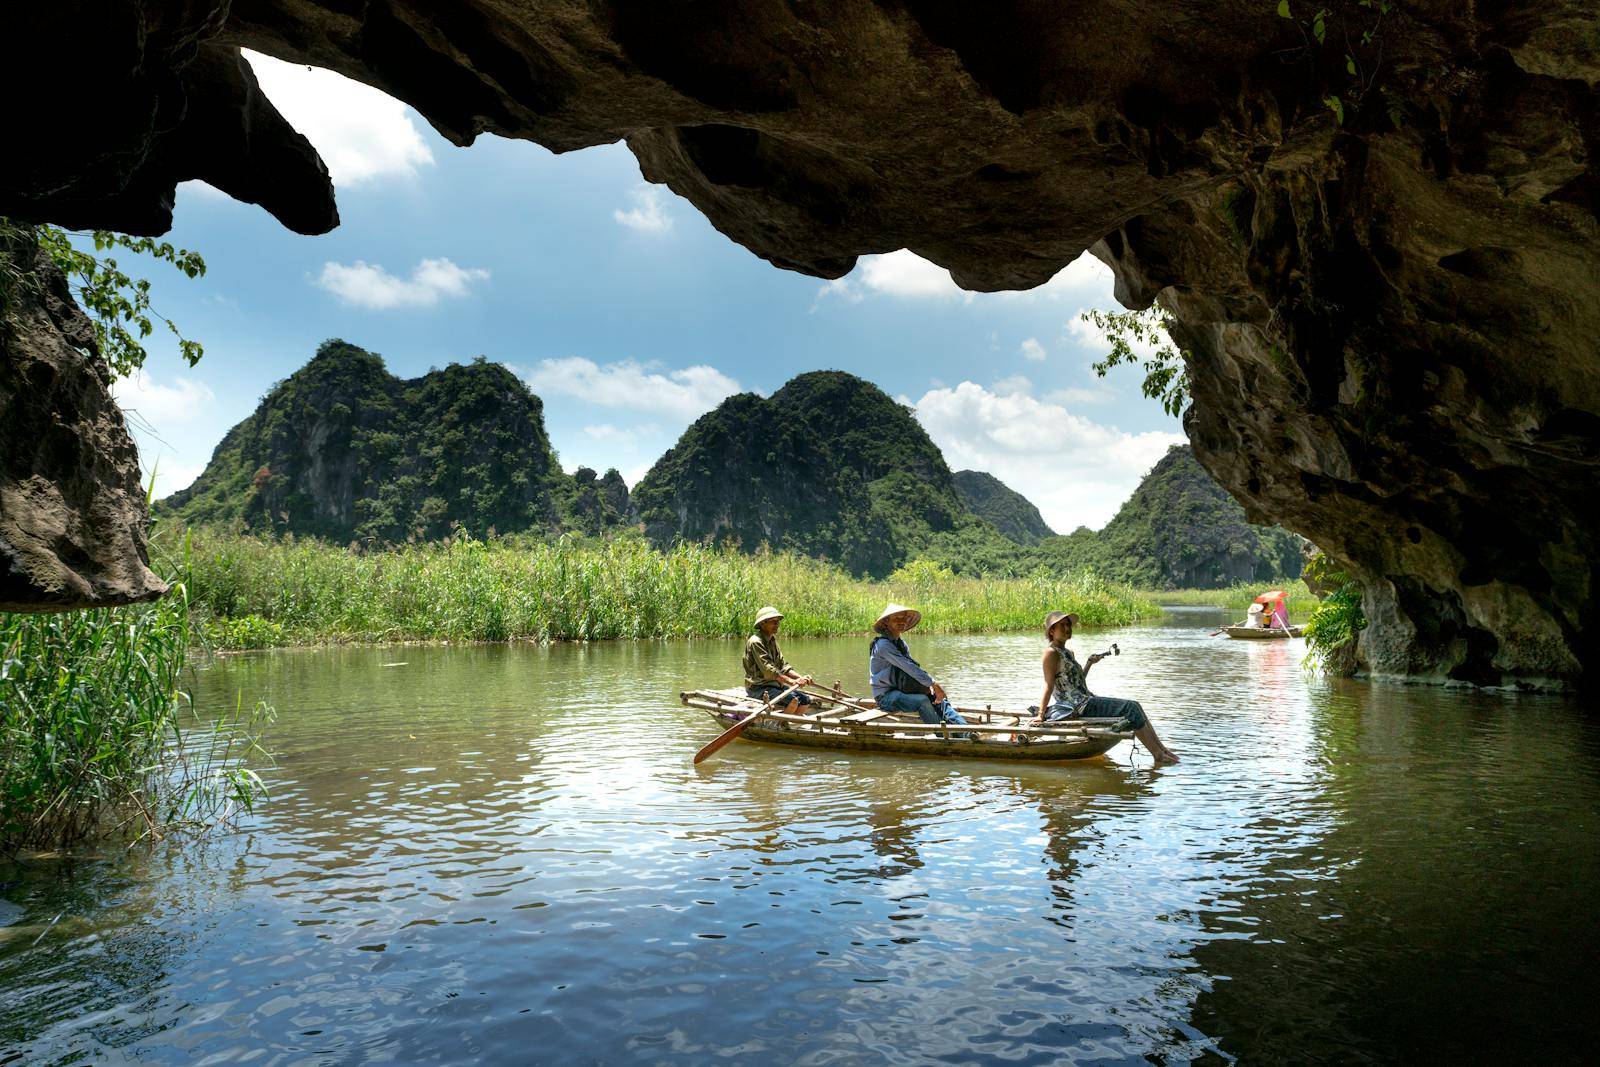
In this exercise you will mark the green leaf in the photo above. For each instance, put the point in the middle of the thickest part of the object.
(1319, 28)
(1350, 64)
(1336, 106)
(1283, 9)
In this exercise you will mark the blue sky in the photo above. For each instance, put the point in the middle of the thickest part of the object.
(620, 305)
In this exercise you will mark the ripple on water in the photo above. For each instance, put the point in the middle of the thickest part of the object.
(481, 852)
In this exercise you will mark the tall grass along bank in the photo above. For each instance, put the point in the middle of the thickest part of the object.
(97, 736)
(252, 592)
(1240, 596)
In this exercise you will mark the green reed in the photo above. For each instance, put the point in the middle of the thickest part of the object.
(254, 592)
(1239, 596)
(97, 735)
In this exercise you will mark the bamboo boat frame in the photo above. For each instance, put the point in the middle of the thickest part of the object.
(1258, 633)
(860, 727)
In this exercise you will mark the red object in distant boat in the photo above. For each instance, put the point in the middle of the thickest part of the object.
(1279, 609)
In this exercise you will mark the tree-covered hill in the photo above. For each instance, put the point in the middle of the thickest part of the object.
(1179, 529)
(829, 466)
(1002, 507)
(345, 450)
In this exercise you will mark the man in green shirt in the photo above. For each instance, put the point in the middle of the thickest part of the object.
(766, 673)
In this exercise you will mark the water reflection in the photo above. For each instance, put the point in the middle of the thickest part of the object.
(478, 852)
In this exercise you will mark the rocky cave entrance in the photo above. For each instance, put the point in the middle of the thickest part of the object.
(1376, 235)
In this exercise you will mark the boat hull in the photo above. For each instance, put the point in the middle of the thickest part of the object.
(911, 738)
(1254, 633)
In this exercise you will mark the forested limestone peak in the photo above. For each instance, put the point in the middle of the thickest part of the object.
(345, 450)
(1179, 529)
(830, 466)
(1002, 507)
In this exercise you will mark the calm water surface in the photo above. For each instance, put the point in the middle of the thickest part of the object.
(505, 855)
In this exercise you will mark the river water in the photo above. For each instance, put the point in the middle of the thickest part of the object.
(503, 854)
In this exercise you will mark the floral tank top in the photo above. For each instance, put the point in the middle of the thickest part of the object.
(1071, 688)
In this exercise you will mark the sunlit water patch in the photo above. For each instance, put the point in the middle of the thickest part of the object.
(505, 854)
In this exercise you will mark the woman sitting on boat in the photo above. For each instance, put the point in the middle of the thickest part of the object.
(898, 682)
(1066, 689)
(766, 674)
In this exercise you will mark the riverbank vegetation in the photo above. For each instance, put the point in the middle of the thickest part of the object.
(97, 736)
(254, 592)
(1335, 623)
(1240, 596)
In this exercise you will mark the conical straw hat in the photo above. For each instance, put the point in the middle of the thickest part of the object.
(893, 609)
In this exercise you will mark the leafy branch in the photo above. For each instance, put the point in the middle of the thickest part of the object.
(1134, 332)
(1358, 26)
(118, 303)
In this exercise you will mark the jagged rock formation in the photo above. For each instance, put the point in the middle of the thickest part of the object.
(828, 466)
(599, 504)
(72, 511)
(343, 449)
(1380, 249)
(1002, 507)
(1179, 530)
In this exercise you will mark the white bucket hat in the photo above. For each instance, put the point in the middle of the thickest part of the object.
(768, 612)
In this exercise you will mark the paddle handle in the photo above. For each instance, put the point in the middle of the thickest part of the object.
(739, 727)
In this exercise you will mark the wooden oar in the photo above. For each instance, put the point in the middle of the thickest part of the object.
(738, 728)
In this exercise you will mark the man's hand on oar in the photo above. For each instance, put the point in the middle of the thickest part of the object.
(739, 727)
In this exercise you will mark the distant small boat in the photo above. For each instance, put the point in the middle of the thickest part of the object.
(861, 727)
(1259, 633)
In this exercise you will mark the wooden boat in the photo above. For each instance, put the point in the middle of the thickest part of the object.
(860, 727)
(1258, 633)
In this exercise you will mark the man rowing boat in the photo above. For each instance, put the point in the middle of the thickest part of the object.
(898, 682)
(1066, 689)
(766, 674)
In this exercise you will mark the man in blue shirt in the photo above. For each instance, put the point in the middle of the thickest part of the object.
(898, 682)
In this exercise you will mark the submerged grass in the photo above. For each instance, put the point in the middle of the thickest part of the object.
(253, 592)
(96, 733)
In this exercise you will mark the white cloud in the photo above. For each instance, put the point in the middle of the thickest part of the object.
(611, 433)
(1032, 350)
(1076, 471)
(1075, 395)
(361, 134)
(1016, 383)
(162, 406)
(171, 475)
(648, 214)
(1085, 278)
(369, 285)
(203, 190)
(840, 289)
(686, 393)
(906, 274)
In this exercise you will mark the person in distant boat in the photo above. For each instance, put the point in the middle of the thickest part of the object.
(898, 682)
(1256, 618)
(1066, 689)
(766, 673)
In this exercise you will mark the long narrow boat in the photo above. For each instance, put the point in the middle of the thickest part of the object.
(860, 727)
(1258, 633)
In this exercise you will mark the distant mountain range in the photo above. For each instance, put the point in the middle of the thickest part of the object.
(344, 450)
(828, 466)
(1179, 530)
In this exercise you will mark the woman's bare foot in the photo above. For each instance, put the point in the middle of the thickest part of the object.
(1167, 756)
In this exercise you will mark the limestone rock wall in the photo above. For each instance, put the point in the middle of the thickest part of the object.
(72, 511)
(1379, 240)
